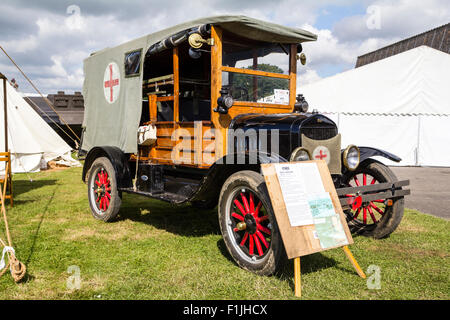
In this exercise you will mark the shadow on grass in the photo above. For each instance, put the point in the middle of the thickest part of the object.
(183, 220)
(188, 221)
(24, 186)
(41, 220)
(309, 264)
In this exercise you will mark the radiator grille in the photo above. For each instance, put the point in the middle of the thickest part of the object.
(319, 132)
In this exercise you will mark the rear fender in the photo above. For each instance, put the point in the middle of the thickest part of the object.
(118, 159)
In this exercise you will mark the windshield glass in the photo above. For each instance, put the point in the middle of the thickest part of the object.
(248, 54)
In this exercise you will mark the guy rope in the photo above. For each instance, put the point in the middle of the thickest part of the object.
(77, 138)
(17, 268)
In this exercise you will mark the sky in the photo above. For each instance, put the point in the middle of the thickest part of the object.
(49, 39)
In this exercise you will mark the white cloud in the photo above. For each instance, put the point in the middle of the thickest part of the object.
(51, 42)
(21, 45)
(307, 77)
(397, 19)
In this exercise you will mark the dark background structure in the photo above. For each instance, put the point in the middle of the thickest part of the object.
(438, 38)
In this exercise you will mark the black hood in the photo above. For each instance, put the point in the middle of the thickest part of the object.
(290, 126)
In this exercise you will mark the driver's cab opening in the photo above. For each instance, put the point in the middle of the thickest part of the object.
(175, 70)
(181, 87)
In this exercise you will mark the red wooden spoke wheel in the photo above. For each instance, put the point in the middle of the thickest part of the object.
(103, 190)
(378, 218)
(366, 212)
(248, 224)
(104, 198)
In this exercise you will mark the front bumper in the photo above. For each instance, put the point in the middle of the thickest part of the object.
(351, 196)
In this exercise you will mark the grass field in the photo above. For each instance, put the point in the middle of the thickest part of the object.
(158, 251)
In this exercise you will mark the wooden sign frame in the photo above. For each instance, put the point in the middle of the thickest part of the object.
(300, 241)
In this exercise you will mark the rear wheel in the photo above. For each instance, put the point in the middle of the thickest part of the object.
(248, 224)
(104, 198)
(378, 218)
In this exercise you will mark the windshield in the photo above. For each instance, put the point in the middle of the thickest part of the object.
(242, 56)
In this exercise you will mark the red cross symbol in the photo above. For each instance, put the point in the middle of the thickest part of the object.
(111, 83)
(321, 155)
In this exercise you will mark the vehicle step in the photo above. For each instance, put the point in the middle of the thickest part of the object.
(161, 195)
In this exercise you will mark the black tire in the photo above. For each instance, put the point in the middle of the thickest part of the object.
(250, 182)
(101, 166)
(393, 214)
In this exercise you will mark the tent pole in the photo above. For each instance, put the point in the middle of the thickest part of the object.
(5, 101)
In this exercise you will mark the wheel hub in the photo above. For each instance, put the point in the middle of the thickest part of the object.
(250, 223)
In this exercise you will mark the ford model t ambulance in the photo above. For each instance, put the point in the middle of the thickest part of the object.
(189, 113)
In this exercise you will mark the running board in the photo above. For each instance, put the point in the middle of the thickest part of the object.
(175, 198)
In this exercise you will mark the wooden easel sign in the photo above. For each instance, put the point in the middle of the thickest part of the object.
(308, 212)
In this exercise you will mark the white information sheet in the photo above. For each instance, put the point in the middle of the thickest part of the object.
(281, 96)
(297, 182)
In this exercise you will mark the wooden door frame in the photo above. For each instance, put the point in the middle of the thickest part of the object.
(221, 121)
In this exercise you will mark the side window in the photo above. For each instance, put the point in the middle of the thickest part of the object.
(158, 79)
(133, 63)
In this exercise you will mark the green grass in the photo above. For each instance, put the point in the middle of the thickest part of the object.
(158, 251)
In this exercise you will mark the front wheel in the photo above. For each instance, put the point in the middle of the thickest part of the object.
(378, 218)
(248, 224)
(104, 198)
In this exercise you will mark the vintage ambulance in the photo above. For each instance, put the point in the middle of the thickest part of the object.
(189, 113)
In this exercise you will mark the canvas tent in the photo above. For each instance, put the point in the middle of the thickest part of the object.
(400, 104)
(30, 139)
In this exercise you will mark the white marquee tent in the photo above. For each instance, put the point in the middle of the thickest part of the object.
(400, 104)
(31, 140)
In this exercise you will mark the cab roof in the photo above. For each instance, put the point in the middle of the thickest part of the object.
(238, 24)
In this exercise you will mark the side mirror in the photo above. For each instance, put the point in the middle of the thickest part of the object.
(224, 102)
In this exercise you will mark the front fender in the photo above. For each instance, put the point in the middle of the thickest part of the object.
(118, 159)
(368, 152)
